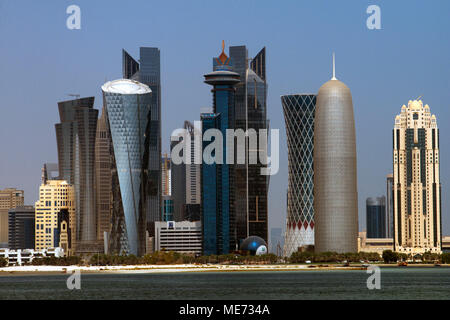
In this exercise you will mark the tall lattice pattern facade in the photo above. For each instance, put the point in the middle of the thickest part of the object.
(299, 112)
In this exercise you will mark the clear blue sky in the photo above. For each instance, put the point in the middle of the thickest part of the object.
(41, 61)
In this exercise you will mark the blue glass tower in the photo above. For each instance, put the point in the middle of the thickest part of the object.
(217, 179)
(128, 106)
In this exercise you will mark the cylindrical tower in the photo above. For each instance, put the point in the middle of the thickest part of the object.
(128, 105)
(335, 184)
(299, 112)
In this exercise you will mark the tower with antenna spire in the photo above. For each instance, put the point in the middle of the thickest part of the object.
(335, 188)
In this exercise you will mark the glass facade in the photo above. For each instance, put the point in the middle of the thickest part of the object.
(299, 113)
(168, 208)
(148, 71)
(375, 217)
(75, 137)
(250, 213)
(210, 192)
(129, 127)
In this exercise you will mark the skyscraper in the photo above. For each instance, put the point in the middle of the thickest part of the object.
(148, 72)
(21, 228)
(103, 176)
(417, 186)
(75, 137)
(389, 206)
(128, 110)
(9, 199)
(249, 215)
(186, 176)
(299, 111)
(335, 184)
(376, 217)
(218, 191)
(54, 196)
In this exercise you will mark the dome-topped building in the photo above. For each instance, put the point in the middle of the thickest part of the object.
(335, 183)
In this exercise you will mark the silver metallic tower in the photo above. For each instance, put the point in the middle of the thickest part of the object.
(335, 185)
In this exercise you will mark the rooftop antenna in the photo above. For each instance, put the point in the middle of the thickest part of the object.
(334, 68)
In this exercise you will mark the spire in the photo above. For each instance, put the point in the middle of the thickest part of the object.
(223, 57)
(334, 68)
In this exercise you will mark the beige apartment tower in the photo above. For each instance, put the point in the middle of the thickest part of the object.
(54, 196)
(103, 177)
(417, 188)
(10, 198)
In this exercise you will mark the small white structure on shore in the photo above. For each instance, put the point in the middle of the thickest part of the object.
(23, 256)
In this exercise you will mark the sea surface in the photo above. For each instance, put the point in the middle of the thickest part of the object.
(396, 283)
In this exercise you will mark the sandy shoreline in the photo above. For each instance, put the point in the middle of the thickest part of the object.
(29, 270)
(134, 269)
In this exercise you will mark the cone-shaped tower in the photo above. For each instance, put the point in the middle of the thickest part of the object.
(335, 184)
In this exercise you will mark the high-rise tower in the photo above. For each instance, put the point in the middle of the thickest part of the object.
(128, 105)
(417, 186)
(299, 113)
(217, 177)
(75, 136)
(250, 208)
(148, 71)
(103, 176)
(335, 184)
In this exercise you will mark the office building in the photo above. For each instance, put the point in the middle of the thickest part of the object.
(128, 110)
(186, 176)
(417, 186)
(376, 217)
(103, 177)
(218, 193)
(389, 206)
(249, 214)
(148, 72)
(183, 237)
(10, 198)
(54, 196)
(21, 228)
(299, 111)
(335, 183)
(75, 136)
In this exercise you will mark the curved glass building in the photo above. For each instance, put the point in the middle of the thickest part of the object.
(299, 111)
(128, 106)
(335, 185)
(75, 137)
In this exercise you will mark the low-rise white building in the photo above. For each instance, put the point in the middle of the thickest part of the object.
(183, 237)
(24, 256)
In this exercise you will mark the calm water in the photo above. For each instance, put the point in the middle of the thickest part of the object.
(396, 283)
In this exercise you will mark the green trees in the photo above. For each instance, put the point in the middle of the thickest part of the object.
(390, 256)
(53, 261)
(445, 257)
(3, 262)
